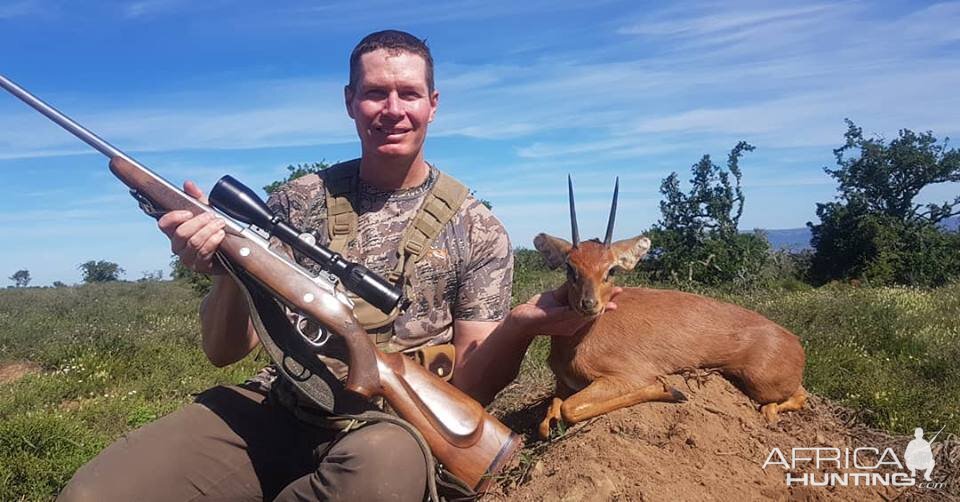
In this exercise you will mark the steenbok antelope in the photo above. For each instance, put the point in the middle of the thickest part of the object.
(620, 358)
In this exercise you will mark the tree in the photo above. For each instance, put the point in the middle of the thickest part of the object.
(151, 276)
(100, 271)
(59, 284)
(696, 239)
(885, 179)
(485, 202)
(21, 278)
(296, 172)
(874, 230)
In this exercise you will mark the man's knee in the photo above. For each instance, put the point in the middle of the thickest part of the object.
(80, 489)
(173, 458)
(385, 444)
(101, 478)
(380, 462)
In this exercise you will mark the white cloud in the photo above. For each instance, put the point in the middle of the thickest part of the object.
(18, 9)
(713, 23)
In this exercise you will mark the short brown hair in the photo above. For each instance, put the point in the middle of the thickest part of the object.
(395, 42)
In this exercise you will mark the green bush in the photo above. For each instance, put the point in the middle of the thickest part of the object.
(696, 239)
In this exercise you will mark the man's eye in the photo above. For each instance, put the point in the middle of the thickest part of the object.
(375, 94)
(410, 95)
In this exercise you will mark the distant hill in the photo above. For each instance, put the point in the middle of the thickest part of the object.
(798, 239)
(788, 239)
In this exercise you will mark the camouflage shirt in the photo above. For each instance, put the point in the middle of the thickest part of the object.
(466, 275)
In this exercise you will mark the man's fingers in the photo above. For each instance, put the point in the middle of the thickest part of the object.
(212, 243)
(169, 222)
(535, 299)
(187, 229)
(611, 304)
(194, 191)
(199, 239)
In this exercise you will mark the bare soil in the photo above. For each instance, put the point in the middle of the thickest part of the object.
(11, 372)
(712, 447)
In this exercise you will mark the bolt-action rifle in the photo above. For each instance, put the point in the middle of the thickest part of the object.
(468, 441)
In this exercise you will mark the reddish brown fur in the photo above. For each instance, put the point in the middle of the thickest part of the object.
(660, 332)
(592, 262)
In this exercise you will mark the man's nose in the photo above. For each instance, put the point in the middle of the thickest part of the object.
(393, 108)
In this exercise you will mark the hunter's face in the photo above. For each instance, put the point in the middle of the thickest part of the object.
(391, 104)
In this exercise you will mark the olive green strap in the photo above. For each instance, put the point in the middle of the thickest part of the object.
(438, 208)
(340, 183)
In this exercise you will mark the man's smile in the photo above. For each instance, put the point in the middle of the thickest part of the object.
(391, 131)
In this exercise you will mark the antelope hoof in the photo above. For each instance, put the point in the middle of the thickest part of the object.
(677, 396)
(770, 413)
(553, 415)
(544, 430)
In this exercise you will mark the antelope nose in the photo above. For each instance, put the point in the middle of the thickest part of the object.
(588, 303)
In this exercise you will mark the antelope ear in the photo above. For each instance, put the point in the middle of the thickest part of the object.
(553, 249)
(629, 251)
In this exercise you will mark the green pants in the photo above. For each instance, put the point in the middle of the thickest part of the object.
(233, 444)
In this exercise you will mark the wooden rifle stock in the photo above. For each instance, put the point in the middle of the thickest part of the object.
(467, 440)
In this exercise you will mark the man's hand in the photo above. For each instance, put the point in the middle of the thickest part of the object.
(549, 314)
(194, 239)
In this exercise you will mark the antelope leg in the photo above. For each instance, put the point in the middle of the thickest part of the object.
(771, 411)
(605, 395)
(553, 414)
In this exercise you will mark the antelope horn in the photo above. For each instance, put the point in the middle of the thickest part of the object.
(573, 214)
(613, 214)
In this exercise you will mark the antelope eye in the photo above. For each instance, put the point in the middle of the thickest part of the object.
(612, 272)
(571, 272)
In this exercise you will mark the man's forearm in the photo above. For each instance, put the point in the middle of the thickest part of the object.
(225, 323)
(489, 362)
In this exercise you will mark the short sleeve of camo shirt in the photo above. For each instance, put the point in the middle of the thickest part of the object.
(466, 275)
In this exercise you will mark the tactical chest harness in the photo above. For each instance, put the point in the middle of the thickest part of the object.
(441, 203)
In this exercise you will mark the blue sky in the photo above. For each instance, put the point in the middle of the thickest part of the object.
(530, 91)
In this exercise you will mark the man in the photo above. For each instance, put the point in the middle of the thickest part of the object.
(257, 441)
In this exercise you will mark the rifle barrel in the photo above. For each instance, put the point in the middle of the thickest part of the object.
(74, 128)
(61, 119)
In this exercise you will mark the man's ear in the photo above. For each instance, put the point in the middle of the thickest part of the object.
(629, 251)
(434, 102)
(347, 99)
(553, 249)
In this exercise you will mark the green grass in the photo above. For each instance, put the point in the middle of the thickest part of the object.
(890, 353)
(116, 356)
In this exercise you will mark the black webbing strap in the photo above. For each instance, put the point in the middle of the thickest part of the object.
(293, 356)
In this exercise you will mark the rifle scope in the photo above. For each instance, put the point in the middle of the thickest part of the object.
(240, 203)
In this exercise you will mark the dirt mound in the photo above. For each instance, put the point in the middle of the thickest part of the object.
(11, 372)
(711, 448)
